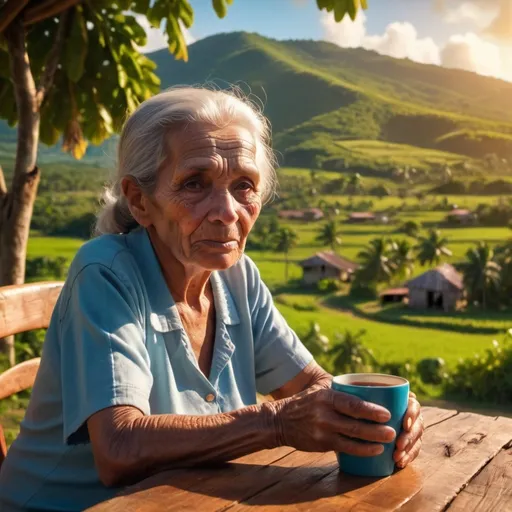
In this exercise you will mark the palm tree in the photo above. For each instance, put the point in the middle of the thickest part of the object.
(432, 248)
(263, 234)
(447, 174)
(355, 183)
(403, 259)
(482, 274)
(285, 239)
(329, 235)
(349, 355)
(316, 342)
(376, 265)
(410, 228)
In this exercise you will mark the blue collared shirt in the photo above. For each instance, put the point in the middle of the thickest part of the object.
(116, 338)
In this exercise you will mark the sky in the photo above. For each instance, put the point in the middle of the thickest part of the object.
(475, 35)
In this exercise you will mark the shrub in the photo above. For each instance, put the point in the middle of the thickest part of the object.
(487, 377)
(407, 370)
(431, 370)
(450, 188)
(363, 291)
(329, 285)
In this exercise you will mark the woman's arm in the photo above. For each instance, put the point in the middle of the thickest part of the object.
(127, 445)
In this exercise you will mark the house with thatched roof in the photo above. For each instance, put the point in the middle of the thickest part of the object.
(327, 265)
(439, 288)
(305, 214)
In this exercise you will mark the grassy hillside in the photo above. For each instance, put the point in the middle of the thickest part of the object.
(351, 94)
(316, 94)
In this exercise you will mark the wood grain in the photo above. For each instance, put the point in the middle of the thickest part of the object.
(456, 447)
(202, 488)
(490, 490)
(18, 378)
(27, 306)
(320, 483)
(453, 452)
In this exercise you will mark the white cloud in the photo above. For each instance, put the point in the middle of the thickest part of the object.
(472, 53)
(156, 39)
(400, 40)
(347, 33)
(479, 14)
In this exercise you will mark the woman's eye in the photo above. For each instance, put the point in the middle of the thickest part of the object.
(244, 185)
(193, 185)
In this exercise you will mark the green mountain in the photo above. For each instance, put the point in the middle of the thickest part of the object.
(318, 96)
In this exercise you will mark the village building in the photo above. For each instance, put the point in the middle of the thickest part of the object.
(367, 218)
(327, 265)
(461, 216)
(394, 295)
(440, 288)
(304, 215)
(361, 217)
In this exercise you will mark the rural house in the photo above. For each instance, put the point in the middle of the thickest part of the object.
(327, 265)
(361, 217)
(306, 214)
(461, 216)
(394, 295)
(439, 288)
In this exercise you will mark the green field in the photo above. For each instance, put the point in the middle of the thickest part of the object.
(389, 342)
(52, 247)
(396, 155)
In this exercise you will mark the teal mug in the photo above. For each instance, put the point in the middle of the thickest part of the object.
(392, 393)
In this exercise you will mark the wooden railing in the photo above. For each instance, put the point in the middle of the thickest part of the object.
(23, 308)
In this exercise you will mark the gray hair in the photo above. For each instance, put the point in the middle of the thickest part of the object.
(142, 148)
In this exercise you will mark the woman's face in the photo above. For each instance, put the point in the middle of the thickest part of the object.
(208, 196)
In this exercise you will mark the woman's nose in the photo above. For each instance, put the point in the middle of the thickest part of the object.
(223, 208)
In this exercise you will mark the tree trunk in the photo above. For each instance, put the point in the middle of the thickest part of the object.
(17, 204)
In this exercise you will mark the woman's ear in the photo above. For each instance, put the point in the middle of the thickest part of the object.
(137, 201)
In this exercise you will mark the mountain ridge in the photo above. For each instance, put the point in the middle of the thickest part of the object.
(317, 93)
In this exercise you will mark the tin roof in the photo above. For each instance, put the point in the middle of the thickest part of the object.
(438, 279)
(330, 258)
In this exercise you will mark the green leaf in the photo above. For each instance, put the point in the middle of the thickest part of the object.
(76, 48)
(325, 4)
(220, 8)
(364, 4)
(140, 6)
(340, 9)
(186, 14)
(352, 8)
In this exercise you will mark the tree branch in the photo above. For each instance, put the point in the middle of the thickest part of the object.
(3, 186)
(53, 58)
(25, 94)
(9, 12)
(47, 9)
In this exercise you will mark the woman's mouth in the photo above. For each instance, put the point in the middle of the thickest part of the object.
(223, 245)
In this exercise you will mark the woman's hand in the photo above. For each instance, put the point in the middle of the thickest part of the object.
(408, 444)
(321, 420)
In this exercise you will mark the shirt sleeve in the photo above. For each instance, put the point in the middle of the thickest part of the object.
(279, 354)
(104, 361)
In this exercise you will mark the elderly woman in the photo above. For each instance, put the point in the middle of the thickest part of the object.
(164, 331)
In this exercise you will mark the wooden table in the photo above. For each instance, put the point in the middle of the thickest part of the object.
(465, 466)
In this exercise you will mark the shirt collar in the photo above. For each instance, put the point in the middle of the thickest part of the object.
(164, 315)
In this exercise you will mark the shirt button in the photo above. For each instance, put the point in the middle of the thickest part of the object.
(210, 397)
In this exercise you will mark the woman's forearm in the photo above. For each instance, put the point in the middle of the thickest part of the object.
(128, 445)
